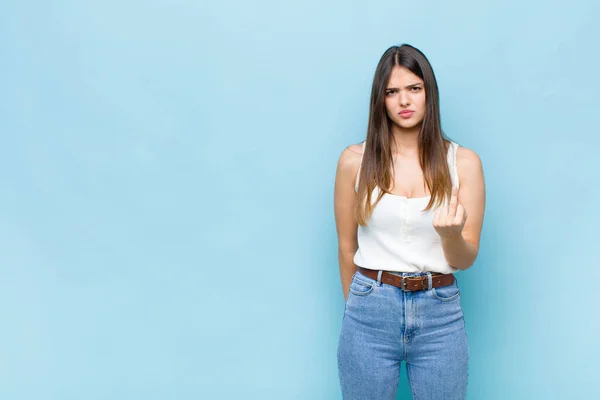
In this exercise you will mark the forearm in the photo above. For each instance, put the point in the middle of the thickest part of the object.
(347, 269)
(458, 252)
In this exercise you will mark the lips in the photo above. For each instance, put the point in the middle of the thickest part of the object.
(406, 113)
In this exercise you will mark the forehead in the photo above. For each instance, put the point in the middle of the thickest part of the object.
(401, 77)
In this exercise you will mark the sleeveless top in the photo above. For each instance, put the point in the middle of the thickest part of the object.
(399, 236)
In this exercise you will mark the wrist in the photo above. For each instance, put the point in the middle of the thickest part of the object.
(451, 239)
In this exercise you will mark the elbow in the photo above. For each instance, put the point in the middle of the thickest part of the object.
(468, 263)
(347, 248)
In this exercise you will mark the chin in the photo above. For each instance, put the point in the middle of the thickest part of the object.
(408, 124)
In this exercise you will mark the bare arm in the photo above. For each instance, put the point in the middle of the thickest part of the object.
(346, 225)
(461, 242)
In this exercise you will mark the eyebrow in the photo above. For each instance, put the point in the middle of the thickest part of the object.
(406, 87)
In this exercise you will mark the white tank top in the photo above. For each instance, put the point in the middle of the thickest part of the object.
(399, 236)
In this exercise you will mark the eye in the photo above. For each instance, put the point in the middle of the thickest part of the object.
(415, 88)
(390, 92)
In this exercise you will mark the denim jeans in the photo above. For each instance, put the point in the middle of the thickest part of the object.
(383, 326)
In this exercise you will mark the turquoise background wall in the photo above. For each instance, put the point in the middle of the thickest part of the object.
(166, 191)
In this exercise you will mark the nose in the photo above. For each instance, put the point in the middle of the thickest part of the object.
(404, 99)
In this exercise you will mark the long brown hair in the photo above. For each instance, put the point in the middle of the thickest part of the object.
(377, 163)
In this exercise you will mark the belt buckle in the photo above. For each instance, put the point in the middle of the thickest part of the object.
(403, 284)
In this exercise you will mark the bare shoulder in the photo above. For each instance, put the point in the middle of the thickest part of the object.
(350, 158)
(468, 163)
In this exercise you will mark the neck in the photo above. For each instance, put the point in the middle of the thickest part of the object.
(406, 141)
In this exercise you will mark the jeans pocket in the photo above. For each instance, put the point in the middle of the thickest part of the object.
(361, 286)
(446, 293)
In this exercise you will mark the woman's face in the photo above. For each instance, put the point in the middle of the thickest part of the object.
(405, 98)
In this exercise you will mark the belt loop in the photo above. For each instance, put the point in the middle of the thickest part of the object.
(379, 277)
(430, 280)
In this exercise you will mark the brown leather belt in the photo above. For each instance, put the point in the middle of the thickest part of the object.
(410, 283)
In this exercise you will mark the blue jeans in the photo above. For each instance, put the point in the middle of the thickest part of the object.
(383, 325)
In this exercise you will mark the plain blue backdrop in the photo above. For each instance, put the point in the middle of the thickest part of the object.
(166, 191)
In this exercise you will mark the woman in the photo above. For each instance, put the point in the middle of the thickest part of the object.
(409, 207)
